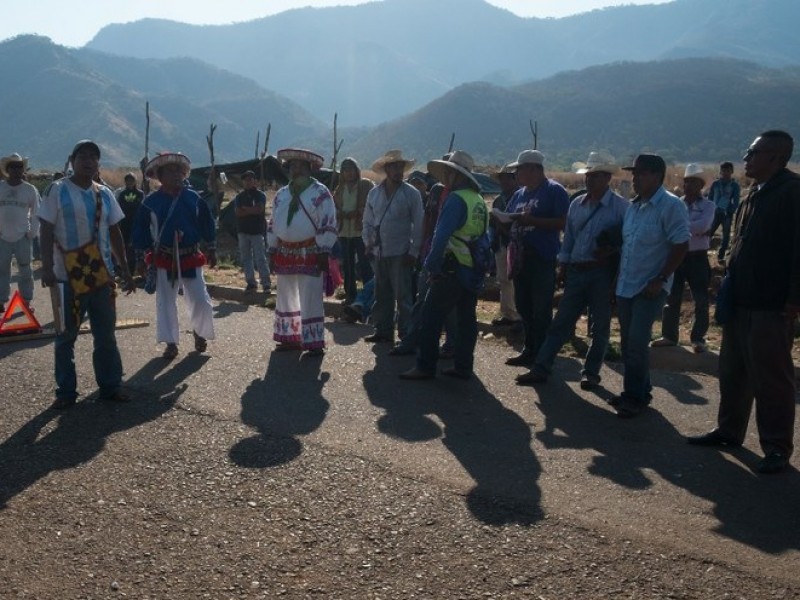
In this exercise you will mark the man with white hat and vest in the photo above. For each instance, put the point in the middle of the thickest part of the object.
(454, 278)
(694, 269)
(587, 265)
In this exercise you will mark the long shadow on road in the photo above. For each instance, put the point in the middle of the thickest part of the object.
(80, 433)
(281, 407)
(492, 443)
(757, 511)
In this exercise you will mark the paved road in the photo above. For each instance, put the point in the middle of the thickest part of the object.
(246, 473)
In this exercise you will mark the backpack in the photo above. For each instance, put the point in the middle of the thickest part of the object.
(480, 249)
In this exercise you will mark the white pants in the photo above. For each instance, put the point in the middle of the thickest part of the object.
(198, 307)
(300, 312)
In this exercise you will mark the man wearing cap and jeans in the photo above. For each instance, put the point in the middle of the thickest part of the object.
(250, 207)
(541, 206)
(69, 220)
(19, 203)
(392, 232)
(724, 194)
(587, 265)
(655, 237)
(694, 269)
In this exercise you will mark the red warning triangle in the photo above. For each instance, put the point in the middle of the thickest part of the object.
(18, 318)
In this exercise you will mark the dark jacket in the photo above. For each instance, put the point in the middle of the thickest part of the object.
(765, 252)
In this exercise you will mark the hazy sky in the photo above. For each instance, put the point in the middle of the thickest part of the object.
(75, 23)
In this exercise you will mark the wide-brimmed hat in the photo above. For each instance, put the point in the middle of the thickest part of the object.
(505, 170)
(599, 162)
(527, 157)
(163, 159)
(648, 162)
(392, 156)
(694, 171)
(286, 155)
(12, 158)
(459, 161)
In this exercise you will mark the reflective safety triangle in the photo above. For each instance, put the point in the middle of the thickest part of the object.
(18, 318)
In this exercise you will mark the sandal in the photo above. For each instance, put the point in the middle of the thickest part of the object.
(200, 343)
(171, 351)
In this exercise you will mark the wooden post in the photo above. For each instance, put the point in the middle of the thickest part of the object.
(452, 142)
(213, 176)
(534, 125)
(263, 156)
(146, 159)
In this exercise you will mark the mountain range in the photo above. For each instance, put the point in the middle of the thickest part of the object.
(705, 107)
(381, 60)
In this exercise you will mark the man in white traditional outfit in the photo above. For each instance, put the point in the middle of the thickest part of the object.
(169, 227)
(300, 236)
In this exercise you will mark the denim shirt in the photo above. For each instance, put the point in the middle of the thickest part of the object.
(649, 230)
(580, 235)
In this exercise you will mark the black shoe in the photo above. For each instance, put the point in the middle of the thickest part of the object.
(503, 322)
(63, 403)
(352, 313)
(589, 382)
(531, 378)
(522, 360)
(251, 288)
(457, 373)
(712, 438)
(401, 350)
(200, 343)
(377, 338)
(629, 410)
(416, 374)
(614, 401)
(772, 463)
(118, 396)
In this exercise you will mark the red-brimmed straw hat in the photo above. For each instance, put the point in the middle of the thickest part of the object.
(167, 158)
(285, 155)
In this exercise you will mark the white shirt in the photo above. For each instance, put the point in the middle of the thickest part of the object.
(18, 207)
(71, 211)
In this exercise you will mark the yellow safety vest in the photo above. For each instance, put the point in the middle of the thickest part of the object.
(473, 228)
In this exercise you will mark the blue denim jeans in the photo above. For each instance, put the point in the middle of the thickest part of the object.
(252, 247)
(584, 289)
(724, 219)
(392, 287)
(636, 317)
(695, 271)
(21, 250)
(101, 309)
(534, 288)
(355, 265)
(445, 296)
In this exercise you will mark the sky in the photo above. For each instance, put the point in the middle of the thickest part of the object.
(75, 23)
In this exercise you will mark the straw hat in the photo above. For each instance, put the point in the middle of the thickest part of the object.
(12, 158)
(693, 170)
(459, 161)
(163, 159)
(599, 162)
(286, 155)
(527, 157)
(392, 156)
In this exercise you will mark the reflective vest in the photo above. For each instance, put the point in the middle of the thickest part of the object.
(473, 228)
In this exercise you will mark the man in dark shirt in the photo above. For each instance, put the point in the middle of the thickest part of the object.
(250, 206)
(755, 361)
(129, 199)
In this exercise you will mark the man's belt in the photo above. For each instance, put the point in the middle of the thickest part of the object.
(587, 265)
(185, 251)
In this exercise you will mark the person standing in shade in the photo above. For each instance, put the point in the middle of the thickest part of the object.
(541, 204)
(392, 232)
(250, 207)
(587, 265)
(168, 231)
(724, 193)
(350, 196)
(655, 237)
(694, 270)
(300, 235)
(755, 361)
(19, 203)
(498, 232)
(130, 199)
(454, 279)
(75, 212)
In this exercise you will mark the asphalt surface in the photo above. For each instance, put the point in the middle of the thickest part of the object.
(247, 473)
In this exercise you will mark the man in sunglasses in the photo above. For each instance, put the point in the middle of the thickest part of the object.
(755, 361)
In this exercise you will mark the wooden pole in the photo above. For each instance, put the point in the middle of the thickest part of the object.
(534, 125)
(213, 175)
(146, 159)
(452, 142)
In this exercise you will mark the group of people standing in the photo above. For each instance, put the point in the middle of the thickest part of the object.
(608, 253)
